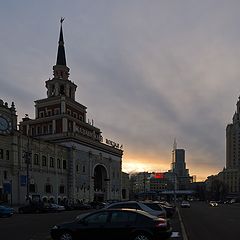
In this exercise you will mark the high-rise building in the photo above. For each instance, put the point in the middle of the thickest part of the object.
(180, 173)
(231, 174)
(233, 141)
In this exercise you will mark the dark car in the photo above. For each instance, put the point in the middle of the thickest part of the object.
(33, 208)
(6, 211)
(149, 207)
(108, 224)
(170, 209)
(98, 205)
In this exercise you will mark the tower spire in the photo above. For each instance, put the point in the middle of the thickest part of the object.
(60, 70)
(174, 144)
(61, 58)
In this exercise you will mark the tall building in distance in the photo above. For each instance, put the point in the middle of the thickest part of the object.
(178, 168)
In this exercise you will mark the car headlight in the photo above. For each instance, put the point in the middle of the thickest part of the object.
(55, 227)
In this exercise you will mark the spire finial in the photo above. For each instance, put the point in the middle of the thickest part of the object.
(61, 58)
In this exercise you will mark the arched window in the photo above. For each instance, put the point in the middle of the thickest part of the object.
(64, 164)
(61, 189)
(58, 163)
(44, 161)
(36, 160)
(62, 90)
(32, 188)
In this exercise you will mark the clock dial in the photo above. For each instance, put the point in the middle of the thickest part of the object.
(3, 124)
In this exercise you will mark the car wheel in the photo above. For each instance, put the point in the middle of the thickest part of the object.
(66, 236)
(142, 236)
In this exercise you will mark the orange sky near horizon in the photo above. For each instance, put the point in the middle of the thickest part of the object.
(134, 163)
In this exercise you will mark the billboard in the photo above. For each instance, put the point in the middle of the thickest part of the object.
(159, 175)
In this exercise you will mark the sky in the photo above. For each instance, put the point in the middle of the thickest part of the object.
(148, 71)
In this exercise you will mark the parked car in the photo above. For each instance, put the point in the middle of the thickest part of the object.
(82, 206)
(118, 224)
(213, 203)
(185, 204)
(98, 205)
(52, 207)
(33, 208)
(151, 208)
(170, 209)
(6, 211)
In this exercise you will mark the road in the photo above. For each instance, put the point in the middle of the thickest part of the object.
(209, 223)
(33, 226)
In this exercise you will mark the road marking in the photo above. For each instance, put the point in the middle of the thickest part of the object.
(175, 235)
(184, 234)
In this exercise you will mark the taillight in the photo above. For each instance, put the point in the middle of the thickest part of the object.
(161, 223)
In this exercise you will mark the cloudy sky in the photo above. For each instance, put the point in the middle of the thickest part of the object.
(149, 71)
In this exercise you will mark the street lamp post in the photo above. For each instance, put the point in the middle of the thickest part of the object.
(28, 160)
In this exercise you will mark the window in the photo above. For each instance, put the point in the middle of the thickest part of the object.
(48, 188)
(97, 218)
(41, 114)
(58, 163)
(49, 112)
(7, 154)
(39, 130)
(33, 131)
(62, 90)
(126, 205)
(75, 115)
(1, 153)
(45, 129)
(64, 164)
(36, 160)
(52, 162)
(61, 189)
(56, 111)
(4, 175)
(32, 188)
(50, 128)
(44, 161)
(77, 168)
(123, 217)
(83, 169)
(154, 206)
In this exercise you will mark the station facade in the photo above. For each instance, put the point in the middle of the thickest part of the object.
(59, 155)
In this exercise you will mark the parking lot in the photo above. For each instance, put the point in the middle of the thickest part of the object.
(37, 226)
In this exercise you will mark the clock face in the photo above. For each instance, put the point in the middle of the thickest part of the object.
(3, 124)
